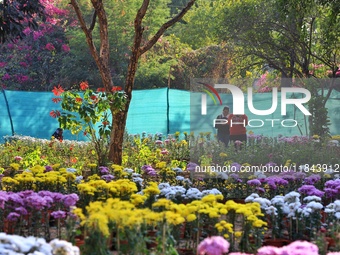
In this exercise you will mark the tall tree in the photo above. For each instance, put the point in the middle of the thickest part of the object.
(279, 33)
(101, 55)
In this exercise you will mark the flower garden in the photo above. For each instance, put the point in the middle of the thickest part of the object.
(276, 196)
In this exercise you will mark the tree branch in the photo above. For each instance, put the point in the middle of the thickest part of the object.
(93, 23)
(165, 26)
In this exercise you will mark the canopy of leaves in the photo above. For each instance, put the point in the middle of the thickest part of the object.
(16, 15)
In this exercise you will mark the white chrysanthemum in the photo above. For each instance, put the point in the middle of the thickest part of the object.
(211, 191)
(315, 206)
(138, 180)
(337, 215)
(61, 247)
(177, 169)
(18, 245)
(193, 193)
(312, 198)
(163, 185)
(278, 201)
(128, 170)
(330, 208)
(251, 197)
(264, 202)
(271, 210)
(180, 178)
(292, 197)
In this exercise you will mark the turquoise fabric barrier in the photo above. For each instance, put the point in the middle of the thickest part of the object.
(154, 111)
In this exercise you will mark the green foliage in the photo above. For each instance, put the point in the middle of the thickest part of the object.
(319, 121)
(35, 62)
(84, 112)
(17, 15)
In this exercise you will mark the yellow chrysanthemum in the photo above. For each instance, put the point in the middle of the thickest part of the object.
(191, 217)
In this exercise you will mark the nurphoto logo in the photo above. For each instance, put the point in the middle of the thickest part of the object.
(239, 104)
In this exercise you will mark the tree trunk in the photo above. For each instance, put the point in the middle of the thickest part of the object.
(117, 135)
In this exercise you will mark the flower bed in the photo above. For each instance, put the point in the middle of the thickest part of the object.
(158, 202)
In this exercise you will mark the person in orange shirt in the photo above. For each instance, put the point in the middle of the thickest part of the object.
(238, 131)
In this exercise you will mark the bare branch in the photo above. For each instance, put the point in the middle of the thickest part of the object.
(165, 26)
(93, 23)
(80, 17)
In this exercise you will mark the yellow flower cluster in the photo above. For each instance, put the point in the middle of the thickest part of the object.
(250, 211)
(37, 179)
(122, 188)
(125, 215)
(151, 190)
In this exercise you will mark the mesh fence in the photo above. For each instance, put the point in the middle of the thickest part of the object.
(163, 111)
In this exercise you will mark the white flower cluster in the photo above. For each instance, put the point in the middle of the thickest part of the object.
(289, 204)
(179, 192)
(334, 208)
(18, 245)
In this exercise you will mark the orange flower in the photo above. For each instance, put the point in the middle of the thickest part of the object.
(100, 89)
(74, 160)
(116, 88)
(57, 91)
(84, 85)
(105, 123)
(56, 99)
(79, 100)
(54, 114)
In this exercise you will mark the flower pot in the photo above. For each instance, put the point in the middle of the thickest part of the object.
(330, 242)
(185, 251)
(151, 243)
(9, 226)
(79, 242)
(280, 242)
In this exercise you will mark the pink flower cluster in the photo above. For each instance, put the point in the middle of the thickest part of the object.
(214, 245)
(295, 248)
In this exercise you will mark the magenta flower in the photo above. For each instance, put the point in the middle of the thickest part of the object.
(215, 245)
(6, 77)
(17, 158)
(49, 47)
(65, 48)
(239, 253)
(164, 152)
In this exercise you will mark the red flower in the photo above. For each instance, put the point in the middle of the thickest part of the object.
(116, 88)
(54, 114)
(79, 100)
(56, 99)
(57, 91)
(84, 85)
(100, 89)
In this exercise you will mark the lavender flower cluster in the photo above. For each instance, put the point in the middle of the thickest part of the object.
(15, 205)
